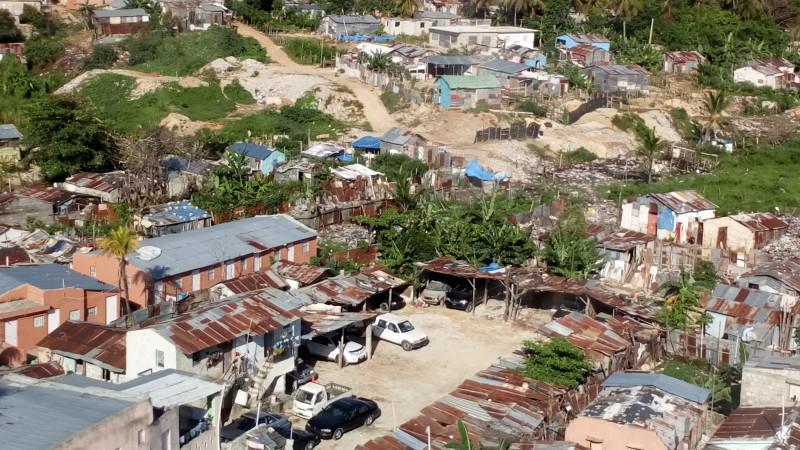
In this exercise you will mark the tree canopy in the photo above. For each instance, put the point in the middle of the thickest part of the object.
(557, 361)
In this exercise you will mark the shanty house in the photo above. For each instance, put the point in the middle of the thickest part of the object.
(503, 70)
(324, 151)
(681, 62)
(105, 186)
(642, 411)
(310, 9)
(672, 214)
(90, 349)
(260, 157)
(172, 266)
(465, 92)
(586, 55)
(439, 65)
(618, 78)
(760, 75)
(770, 381)
(758, 427)
(120, 22)
(780, 277)
(197, 14)
(567, 41)
(170, 218)
(624, 251)
(608, 351)
(459, 36)
(345, 26)
(398, 140)
(35, 300)
(41, 202)
(300, 275)
(248, 283)
(184, 176)
(743, 232)
(528, 56)
(9, 144)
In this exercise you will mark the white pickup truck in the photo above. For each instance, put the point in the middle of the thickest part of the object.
(398, 330)
(311, 398)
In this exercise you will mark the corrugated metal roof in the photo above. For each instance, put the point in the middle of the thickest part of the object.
(618, 69)
(443, 60)
(255, 281)
(434, 15)
(776, 61)
(49, 277)
(43, 413)
(45, 193)
(39, 371)
(746, 307)
(587, 333)
(304, 274)
(324, 150)
(409, 51)
(353, 171)
(754, 422)
(504, 66)
(104, 182)
(254, 313)
(584, 50)
(9, 131)
(171, 388)
(196, 249)
(587, 38)
(368, 19)
(684, 201)
(625, 240)
(174, 213)
(184, 165)
(787, 272)
(316, 323)
(682, 57)
(136, 12)
(255, 151)
(101, 345)
(398, 136)
(353, 290)
(665, 383)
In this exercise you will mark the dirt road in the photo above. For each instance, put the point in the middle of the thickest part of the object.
(375, 112)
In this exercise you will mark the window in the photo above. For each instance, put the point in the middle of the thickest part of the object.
(159, 358)
(75, 315)
(381, 323)
(472, 40)
(93, 271)
(397, 24)
(392, 328)
(306, 247)
(211, 274)
(38, 321)
(486, 40)
(422, 24)
(256, 262)
(92, 311)
(140, 437)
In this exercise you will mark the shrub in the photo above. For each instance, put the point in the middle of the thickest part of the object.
(309, 51)
(234, 91)
(630, 122)
(581, 155)
(392, 101)
(531, 106)
(103, 57)
(41, 50)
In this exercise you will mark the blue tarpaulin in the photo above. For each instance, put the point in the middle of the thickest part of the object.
(666, 220)
(346, 157)
(370, 142)
(491, 267)
(475, 170)
(383, 39)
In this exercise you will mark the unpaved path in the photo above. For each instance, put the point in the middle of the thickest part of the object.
(375, 112)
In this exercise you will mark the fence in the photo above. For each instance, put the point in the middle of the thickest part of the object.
(715, 350)
(591, 105)
(517, 130)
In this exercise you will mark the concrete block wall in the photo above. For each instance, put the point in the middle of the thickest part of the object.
(766, 387)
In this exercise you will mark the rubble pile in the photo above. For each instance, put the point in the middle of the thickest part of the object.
(787, 246)
(346, 233)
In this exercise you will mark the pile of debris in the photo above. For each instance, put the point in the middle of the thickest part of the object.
(346, 233)
(789, 244)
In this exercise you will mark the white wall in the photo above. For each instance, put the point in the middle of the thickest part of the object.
(523, 39)
(750, 75)
(411, 27)
(141, 352)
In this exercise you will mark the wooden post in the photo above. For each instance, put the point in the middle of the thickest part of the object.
(472, 283)
(390, 299)
(369, 341)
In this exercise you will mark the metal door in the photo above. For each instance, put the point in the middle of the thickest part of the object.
(195, 280)
(11, 332)
(53, 320)
(112, 308)
(722, 237)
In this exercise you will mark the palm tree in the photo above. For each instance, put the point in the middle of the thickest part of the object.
(628, 9)
(466, 442)
(118, 244)
(682, 309)
(716, 102)
(483, 5)
(407, 7)
(650, 149)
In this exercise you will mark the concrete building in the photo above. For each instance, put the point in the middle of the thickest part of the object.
(35, 300)
(395, 26)
(169, 267)
(567, 41)
(465, 92)
(743, 232)
(631, 79)
(171, 218)
(260, 157)
(681, 62)
(341, 27)
(770, 381)
(43, 203)
(677, 215)
(779, 277)
(760, 75)
(88, 349)
(10, 138)
(120, 22)
(105, 186)
(484, 36)
(642, 411)
(53, 415)
(398, 140)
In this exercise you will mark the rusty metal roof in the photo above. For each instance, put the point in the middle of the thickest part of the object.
(618, 69)
(584, 50)
(39, 371)
(254, 313)
(682, 57)
(588, 38)
(760, 221)
(624, 240)
(754, 423)
(45, 193)
(747, 307)
(255, 281)
(450, 266)
(586, 333)
(101, 345)
(304, 274)
(787, 272)
(684, 201)
(103, 182)
(352, 290)
(317, 323)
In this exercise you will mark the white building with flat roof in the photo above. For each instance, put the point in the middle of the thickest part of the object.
(480, 35)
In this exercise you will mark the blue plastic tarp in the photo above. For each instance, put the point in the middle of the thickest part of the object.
(383, 39)
(475, 170)
(346, 157)
(491, 267)
(666, 220)
(370, 142)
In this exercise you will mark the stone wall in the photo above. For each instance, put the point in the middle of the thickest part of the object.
(769, 387)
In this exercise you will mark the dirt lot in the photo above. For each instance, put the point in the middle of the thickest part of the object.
(403, 383)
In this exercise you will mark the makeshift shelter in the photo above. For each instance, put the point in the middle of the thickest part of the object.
(368, 144)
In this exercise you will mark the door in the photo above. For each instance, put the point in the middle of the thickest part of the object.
(11, 332)
(256, 262)
(195, 280)
(290, 253)
(700, 233)
(722, 237)
(53, 320)
(158, 291)
(112, 308)
(652, 220)
(228, 269)
(392, 334)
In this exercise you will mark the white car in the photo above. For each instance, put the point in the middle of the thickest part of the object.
(328, 348)
(398, 330)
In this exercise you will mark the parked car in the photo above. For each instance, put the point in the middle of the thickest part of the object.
(328, 348)
(342, 416)
(434, 293)
(398, 330)
(249, 421)
(312, 398)
(460, 298)
(303, 373)
(303, 440)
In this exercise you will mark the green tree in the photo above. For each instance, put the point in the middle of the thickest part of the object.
(715, 102)
(570, 255)
(67, 136)
(705, 274)
(119, 243)
(466, 442)
(406, 8)
(8, 28)
(628, 9)
(557, 361)
(683, 309)
(483, 5)
(751, 9)
(651, 148)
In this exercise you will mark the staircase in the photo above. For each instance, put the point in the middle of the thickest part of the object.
(259, 384)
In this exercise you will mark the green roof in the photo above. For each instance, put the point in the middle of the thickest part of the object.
(471, 81)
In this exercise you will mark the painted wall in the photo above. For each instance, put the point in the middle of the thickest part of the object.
(739, 237)
(635, 216)
(395, 26)
(614, 436)
(444, 94)
(750, 75)
(141, 353)
(119, 431)
(568, 42)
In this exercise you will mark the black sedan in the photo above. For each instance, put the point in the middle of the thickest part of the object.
(248, 422)
(302, 374)
(303, 440)
(343, 415)
(460, 298)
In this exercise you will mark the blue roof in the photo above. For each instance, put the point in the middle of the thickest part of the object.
(370, 142)
(504, 66)
(9, 132)
(185, 165)
(176, 212)
(254, 151)
(49, 277)
(666, 383)
(205, 247)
